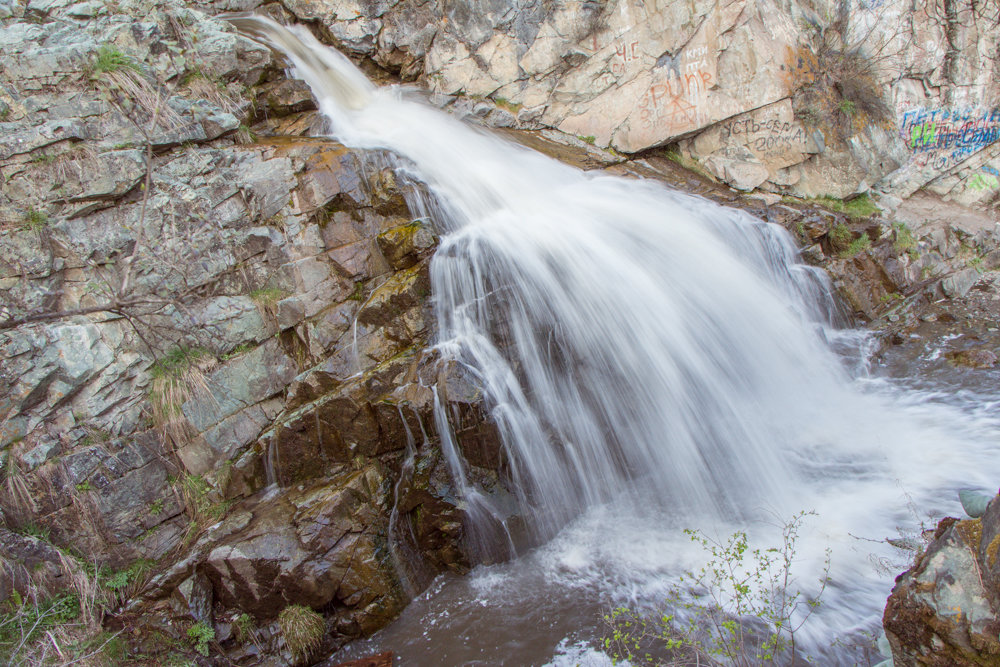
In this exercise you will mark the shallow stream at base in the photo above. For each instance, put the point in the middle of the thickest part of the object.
(546, 606)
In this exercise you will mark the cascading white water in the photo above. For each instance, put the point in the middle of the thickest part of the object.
(652, 360)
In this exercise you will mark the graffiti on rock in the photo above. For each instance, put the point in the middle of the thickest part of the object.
(624, 54)
(770, 137)
(680, 85)
(944, 137)
(674, 102)
(987, 179)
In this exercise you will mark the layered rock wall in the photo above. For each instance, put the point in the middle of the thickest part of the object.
(809, 98)
(213, 343)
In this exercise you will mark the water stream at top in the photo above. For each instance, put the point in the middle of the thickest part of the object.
(653, 362)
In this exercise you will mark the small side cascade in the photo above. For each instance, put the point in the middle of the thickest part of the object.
(402, 541)
(488, 538)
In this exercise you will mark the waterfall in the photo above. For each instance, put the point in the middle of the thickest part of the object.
(624, 335)
(649, 357)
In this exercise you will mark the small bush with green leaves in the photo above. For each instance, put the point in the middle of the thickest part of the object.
(35, 220)
(905, 241)
(32, 529)
(856, 208)
(195, 490)
(237, 351)
(302, 628)
(359, 292)
(504, 103)
(268, 296)
(22, 621)
(200, 634)
(840, 236)
(121, 579)
(808, 115)
(743, 607)
(244, 628)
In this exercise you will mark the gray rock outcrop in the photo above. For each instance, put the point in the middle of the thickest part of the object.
(943, 610)
(213, 343)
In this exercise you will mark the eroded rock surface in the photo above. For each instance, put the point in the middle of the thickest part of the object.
(943, 611)
(214, 342)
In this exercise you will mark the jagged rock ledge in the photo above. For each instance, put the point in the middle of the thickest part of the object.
(215, 345)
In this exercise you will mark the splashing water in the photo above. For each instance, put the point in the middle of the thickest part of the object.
(653, 361)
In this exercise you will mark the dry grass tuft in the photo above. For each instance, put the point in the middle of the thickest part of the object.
(134, 93)
(215, 93)
(302, 628)
(18, 503)
(177, 377)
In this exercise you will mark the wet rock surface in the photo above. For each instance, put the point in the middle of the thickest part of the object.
(943, 611)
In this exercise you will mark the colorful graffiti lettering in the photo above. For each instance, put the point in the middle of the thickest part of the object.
(990, 180)
(951, 135)
(934, 129)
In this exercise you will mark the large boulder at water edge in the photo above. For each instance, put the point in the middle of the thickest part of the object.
(943, 610)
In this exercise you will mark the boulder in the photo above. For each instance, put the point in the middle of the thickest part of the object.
(943, 610)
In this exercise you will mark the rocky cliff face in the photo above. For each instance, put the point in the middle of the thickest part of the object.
(214, 330)
(812, 98)
(214, 344)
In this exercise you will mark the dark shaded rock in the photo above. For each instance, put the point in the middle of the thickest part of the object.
(285, 96)
(193, 597)
(30, 565)
(380, 660)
